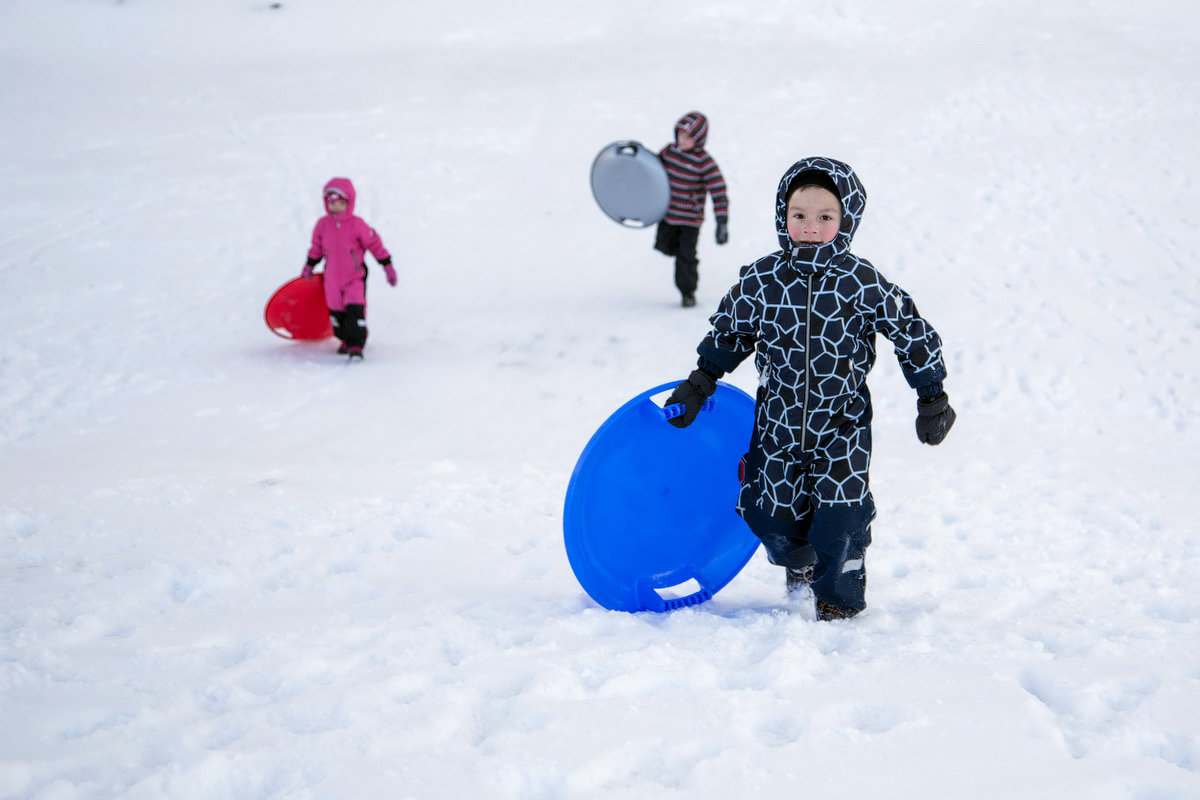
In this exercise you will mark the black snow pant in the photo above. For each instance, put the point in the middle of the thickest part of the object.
(350, 325)
(834, 539)
(680, 241)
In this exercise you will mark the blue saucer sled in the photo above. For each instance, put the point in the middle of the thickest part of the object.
(649, 521)
(630, 184)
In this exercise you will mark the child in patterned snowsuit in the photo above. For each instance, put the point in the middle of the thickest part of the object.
(343, 240)
(809, 312)
(692, 174)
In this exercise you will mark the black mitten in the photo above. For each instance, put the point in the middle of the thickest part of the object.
(691, 394)
(934, 418)
(722, 231)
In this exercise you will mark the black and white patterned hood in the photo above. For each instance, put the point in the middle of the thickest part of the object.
(807, 258)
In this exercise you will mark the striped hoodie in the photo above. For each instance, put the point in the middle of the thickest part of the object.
(692, 175)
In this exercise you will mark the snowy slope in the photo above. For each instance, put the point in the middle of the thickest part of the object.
(236, 567)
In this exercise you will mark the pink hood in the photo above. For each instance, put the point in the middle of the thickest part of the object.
(344, 187)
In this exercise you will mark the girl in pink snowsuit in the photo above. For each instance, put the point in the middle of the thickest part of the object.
(343, 240)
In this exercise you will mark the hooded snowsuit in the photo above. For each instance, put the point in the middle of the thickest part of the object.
(343, 240)
(810, 314)
(692, 175)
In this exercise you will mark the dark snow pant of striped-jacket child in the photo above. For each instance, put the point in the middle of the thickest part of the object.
(680, 242)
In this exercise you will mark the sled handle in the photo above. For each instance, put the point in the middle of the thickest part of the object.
(676, 409)
(654, 598)
(696, 599)
(627, 149)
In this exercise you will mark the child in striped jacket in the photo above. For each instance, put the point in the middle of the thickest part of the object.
(693, 175)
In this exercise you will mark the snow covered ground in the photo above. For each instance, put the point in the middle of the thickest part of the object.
(233, 566)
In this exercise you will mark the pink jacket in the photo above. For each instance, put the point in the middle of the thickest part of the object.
(343, 240)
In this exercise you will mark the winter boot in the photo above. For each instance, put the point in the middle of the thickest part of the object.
(688, 300)
(828, 612)
(354, 352)
(797, 579)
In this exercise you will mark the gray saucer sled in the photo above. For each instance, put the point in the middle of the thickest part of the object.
(630, 184)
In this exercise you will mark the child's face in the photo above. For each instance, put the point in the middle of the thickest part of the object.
(686, 143)
(335, 204)
(814, 215)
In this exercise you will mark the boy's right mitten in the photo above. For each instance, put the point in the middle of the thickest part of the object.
(934, 418)
(691, 394)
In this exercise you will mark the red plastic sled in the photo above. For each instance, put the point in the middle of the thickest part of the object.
(297, 310)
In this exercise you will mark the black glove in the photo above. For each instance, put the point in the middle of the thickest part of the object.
(722, 231)
(934, 418)
(691, 394)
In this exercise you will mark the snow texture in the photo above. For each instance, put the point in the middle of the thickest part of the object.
(233, 566)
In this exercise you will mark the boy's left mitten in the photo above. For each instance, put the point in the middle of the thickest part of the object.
(691, 394)
(934, 418)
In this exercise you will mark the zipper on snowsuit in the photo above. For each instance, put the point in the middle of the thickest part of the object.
(807, 368)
